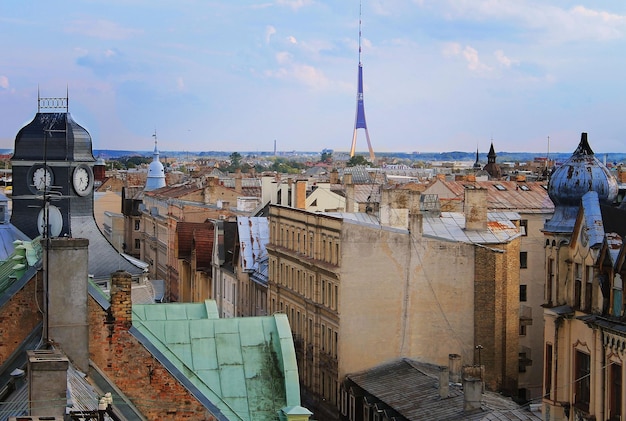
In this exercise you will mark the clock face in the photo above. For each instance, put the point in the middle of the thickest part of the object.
(41, 178)
(82, 180)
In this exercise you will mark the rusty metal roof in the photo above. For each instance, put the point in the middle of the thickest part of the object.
(522, 197)
(451, 226)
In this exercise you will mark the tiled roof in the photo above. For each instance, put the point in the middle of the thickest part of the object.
(198, 236)
(411, 389)
(523, 197)
(174, 192)
(245, 368)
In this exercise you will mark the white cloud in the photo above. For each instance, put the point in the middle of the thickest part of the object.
(292, 40)
(4, 82)
(269, 31)
(468, 53)
(302, 73)
(550, 23)
(503, 59)
(295, 4)
(102, 29)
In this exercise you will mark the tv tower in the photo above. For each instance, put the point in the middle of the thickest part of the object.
(359, 122)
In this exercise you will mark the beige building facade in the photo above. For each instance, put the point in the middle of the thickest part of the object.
(361, 289)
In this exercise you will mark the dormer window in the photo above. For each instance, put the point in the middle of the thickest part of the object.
(500, 187)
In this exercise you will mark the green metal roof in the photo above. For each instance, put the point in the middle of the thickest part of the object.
(246, 367)
(25, 254)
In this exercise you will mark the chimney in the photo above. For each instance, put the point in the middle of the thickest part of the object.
(347, 181)
(66, 270)
(472, 394)
(444, 382)
(475, 206)
(334, 176)
(47, 382)
(238, 183)
(300, 199)
(454, 365)
(121, 305)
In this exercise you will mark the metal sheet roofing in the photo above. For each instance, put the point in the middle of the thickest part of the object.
(411, 389)
(451, 226)
(522, 197)
(245, 367)
(254, 234)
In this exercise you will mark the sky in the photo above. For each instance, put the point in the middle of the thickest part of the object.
(241, 75)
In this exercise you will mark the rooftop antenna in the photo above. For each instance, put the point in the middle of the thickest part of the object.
(359, 122)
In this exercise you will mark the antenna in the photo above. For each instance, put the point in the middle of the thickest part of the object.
(359, 122)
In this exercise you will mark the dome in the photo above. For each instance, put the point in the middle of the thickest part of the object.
(581, 173)
(46, 134)
(156, 172)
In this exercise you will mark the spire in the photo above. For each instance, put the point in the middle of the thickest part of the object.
(477, 162)
(359, 122)
(156, 172)
(491, 156)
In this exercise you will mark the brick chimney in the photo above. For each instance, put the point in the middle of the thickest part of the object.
(121, 304)
(475, 207)
(472, 394)
(334, 176)
(444, 382)
(454, 366)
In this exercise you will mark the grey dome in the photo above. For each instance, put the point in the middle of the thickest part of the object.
(581, 173)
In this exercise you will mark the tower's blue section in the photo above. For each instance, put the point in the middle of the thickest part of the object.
(360, 109)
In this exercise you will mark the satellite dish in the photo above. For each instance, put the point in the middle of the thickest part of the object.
(55, 221)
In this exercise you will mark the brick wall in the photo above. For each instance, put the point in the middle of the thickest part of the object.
(150, 387)
(496, 315)
(19, 316)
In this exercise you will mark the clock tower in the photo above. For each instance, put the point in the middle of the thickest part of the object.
(53, 184)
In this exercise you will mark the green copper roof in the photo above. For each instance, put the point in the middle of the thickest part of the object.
(246, 367)
(26, 254)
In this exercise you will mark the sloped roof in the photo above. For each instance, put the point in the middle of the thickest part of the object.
(451, 226)
(173, 192)
(103, 258)
(198, 235)
(244, 368)
(411, 389)
(254, 234)
(523, 197)
(25, 255)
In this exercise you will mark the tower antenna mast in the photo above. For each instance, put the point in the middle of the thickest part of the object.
(359, 122)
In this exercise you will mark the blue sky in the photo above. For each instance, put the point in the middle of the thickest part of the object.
(439, 75)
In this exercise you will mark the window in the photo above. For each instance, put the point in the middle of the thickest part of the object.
(137, 243)
(582, 380)
(522, 293)
(615, 392)
(588, 287)
(522, 362)
(547, 379)
(137, 224)
(617, 295)
(550, 281)
(523, 259)
(523, 227)
(522, 329)
(578, 284)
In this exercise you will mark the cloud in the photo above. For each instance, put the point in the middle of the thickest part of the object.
(295, 4)
(292, 40)
(101, 29)
(302, 73)
(468, 53)
(180, 83)
(106, 63)
(547, 22)
(503, 59)
(4, 82)
(269, 31)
